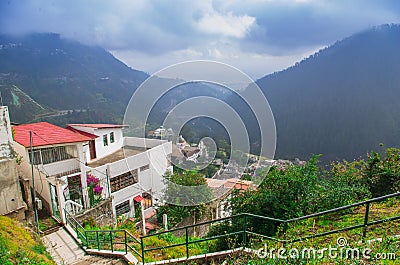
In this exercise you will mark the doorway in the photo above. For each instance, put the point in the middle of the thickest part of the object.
(54, 202)
(92, 148)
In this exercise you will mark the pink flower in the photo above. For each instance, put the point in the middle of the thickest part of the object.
(92, 180)
(97, 189)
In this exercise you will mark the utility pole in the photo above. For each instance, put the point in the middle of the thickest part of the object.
(33, 184)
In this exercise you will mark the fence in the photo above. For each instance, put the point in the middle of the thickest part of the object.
(121, 240)
(245, 233)
(110, 240)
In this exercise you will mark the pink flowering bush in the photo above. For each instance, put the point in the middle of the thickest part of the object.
(94, 189)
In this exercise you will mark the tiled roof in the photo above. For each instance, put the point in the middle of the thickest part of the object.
(46, 134)
(99, 125)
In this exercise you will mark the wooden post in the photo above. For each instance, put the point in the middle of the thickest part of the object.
(165, 221)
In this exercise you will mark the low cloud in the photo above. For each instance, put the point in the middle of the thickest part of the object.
(158, 31)
(226, 25)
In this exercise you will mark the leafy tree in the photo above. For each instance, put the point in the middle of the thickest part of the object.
(343, 184)
(295, 191)
(383, 174)
(176, 212)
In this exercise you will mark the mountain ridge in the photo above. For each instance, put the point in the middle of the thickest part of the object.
(65, 75)
(342, 101)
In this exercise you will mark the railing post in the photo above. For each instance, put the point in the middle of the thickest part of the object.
(365, 221)
(97, 239)
(111, 242)
(187, 242)
(142, 247)
(285, 228)
(126, 243)
(86, 238)
(244, 231)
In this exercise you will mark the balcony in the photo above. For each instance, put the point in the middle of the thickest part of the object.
(61, 168)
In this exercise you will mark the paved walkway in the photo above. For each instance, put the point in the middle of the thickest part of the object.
(62, 247)
(65, 251)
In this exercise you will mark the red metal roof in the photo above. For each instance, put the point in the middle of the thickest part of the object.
(45, 133)
(138, 198)
(99, 125)
(92, 136)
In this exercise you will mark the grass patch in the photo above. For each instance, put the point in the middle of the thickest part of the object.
(19, 246)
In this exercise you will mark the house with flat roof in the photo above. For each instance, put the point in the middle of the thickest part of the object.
(78, 166)
(134, 166)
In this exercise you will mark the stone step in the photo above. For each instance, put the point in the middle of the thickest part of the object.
(96, 260)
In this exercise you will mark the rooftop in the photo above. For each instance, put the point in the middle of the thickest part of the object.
(45, 133)
(122, 153)
(98, 125)
(231, 183)
(92, 136)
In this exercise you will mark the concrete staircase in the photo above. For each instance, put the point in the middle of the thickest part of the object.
(95, 260)
(65, 251)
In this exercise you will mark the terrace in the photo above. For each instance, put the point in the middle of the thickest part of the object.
(121, 154)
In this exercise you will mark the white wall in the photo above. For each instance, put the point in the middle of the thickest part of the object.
(40, 171)
(24, 170)
(150, 179)
(143, 142)
(101, 150)
(159, 165)
(5, 134)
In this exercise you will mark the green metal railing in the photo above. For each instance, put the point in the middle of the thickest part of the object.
(246, 233)
(111, 239)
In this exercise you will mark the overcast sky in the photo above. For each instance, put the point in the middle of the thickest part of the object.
(258, 36)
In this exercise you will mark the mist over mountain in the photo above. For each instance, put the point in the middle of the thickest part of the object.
(44, 77)
(342, 101)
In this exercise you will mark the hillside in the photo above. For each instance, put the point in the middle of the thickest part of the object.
(342, 101)
(42, 74)
(18, 246)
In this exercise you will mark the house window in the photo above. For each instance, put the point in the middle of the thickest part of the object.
(36, 157)
(112, 137)
(105, 140)
(49, 155)
(122, 208)
(125, 180)
(143, 168)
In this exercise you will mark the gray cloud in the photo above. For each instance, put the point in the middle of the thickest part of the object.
(231, 31)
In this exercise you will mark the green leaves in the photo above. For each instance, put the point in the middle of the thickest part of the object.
(199, 190)
(383, 174)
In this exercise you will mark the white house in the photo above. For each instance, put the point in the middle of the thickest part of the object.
(162, 132)
(57, 162)
(134, 166)
(84, 162)
(108, 139)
